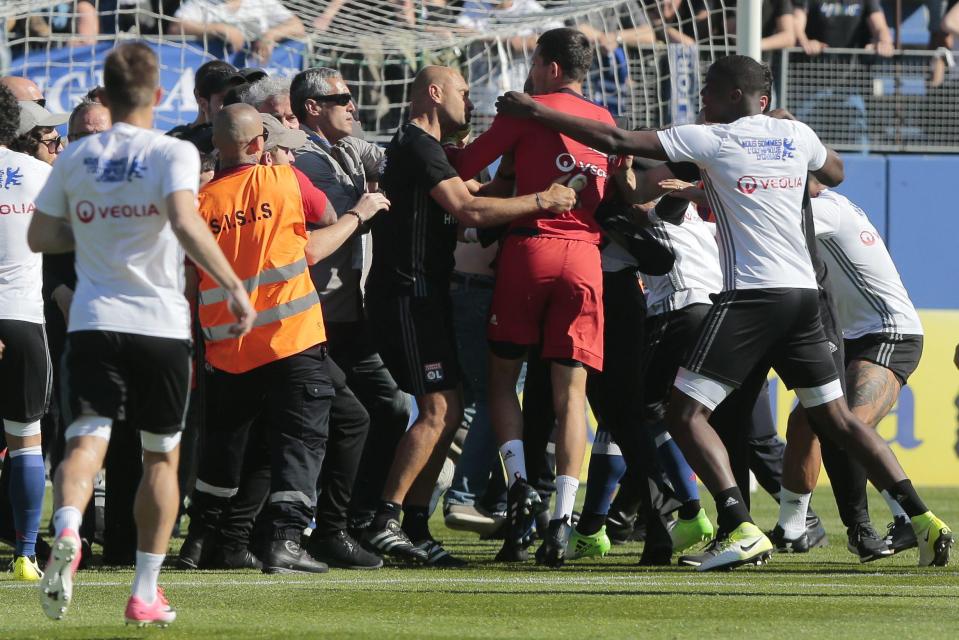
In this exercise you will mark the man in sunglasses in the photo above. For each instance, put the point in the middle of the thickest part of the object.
(345, 167)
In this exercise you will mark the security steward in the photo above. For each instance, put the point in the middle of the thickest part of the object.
(259, 216)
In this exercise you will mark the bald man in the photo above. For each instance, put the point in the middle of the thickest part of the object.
(23, 89)
(408, 298)
(87, 118)
(280, 372)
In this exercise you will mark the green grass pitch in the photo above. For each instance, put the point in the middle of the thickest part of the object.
(825, 593)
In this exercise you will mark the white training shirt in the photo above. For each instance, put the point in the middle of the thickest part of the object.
(21, 270)
(754, 172)
(252, 17)
(112, 188)
(870, 297)
(695, 273)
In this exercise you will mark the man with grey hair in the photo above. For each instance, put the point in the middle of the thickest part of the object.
(271, 95)
(344, 168)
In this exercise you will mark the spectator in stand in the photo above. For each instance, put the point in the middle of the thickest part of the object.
(779, 24)
(36, 135)
(272, 96)
(842, 24)
(245, 25)
(211, 83)
(77, 19)
(381, 13)
(937, 11)
(681, 21)
(950, 22)
(481, 16)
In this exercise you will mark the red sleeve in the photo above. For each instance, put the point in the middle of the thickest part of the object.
(314, 200)
(480, 153)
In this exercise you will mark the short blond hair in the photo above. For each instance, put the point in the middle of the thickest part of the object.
(131, 75)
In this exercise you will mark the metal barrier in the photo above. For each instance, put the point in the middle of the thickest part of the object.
(861, 102)
(854, 100)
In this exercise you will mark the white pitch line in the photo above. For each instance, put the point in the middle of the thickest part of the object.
(598, 581)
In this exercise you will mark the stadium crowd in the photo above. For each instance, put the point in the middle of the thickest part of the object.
(260, 293)
(257, 25)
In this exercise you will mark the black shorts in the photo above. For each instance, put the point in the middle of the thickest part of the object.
(669, 338)
(829, 316)
(142, 380)
(778, 328)
(898, 353)
(26, 376)
(416, 340)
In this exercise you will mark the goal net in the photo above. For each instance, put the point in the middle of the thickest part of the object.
(650, 54)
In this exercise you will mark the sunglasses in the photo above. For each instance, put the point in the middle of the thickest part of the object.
(52, 144)
(41, 101)
(339, 99)
(265, 135)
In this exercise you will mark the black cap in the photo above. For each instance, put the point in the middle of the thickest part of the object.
(252, 74)
(235, 94)
(218, 82)
(200, 136)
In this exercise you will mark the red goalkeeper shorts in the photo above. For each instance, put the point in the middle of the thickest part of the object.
(549, 291)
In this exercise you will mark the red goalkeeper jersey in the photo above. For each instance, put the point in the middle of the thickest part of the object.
(544, 156)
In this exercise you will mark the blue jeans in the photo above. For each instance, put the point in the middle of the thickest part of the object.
(472, 295)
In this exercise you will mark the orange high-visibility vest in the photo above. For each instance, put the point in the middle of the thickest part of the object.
(257, 217)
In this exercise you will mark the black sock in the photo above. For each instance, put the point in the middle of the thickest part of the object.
(908, 499)
(731, 509)
(416, 523)
(590, 523)
(384, 513)
(689, 509)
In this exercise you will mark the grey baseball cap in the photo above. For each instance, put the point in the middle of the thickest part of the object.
(280, 136)
(33, 115)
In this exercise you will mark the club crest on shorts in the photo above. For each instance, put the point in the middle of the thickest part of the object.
(434, 371)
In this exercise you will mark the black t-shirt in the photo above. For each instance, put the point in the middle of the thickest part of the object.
(413, 242)
(840, 23)
(772, 11)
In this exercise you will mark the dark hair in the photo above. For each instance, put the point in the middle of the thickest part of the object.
(569, 49)
(9, 116)
(235, 94)
(743, 73)
(213, 66)
(93, 95)
(768, 85)
(207, 161)
(131, 75)
(210, 77)
(29, 142)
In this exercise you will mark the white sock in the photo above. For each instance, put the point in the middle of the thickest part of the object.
(515, 460)
(566, 487)
(894, 506)
(148, 570)
(792, 512)
(67, 518)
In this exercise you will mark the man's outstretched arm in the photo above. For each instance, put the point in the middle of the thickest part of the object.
(598, 135)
